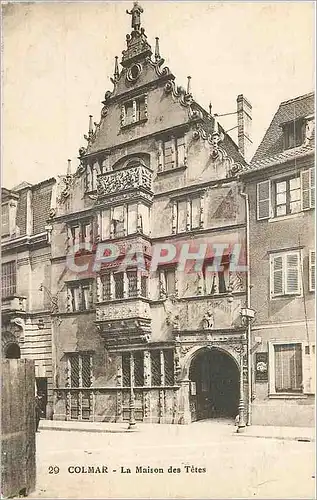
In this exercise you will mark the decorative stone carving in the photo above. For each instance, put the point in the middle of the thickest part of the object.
(132, 178)
(68, 182)
(235, 282)
(157, 65)
(180, 94)
(208, 321)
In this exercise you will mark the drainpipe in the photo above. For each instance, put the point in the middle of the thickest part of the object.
(248, 284)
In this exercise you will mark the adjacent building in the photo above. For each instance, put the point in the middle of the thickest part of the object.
(26, 280)
(280, 183)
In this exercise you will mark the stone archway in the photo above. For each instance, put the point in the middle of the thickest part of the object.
(214, 384)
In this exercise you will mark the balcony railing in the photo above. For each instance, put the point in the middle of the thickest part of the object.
(127, 179)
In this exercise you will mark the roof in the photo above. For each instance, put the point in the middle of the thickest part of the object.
(288, 111)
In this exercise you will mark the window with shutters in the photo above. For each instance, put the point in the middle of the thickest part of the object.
(286, 196)
(134, 111)
(312, 270)
(80, 296)
(308, 188)
(9, 278)
(286, 368)
(174, 153)
(118, 221)
(81, 233)
(124, 219)
(79, 370)
(214, 282)
(188, 214)
(285, 274)
(167, 282)
(5, 227)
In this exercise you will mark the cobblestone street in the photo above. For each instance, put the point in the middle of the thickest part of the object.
(237, 466)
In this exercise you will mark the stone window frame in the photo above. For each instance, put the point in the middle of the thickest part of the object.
(179, 152)
(135, 102)
(187, 198)
(112, 295)
(81, 285)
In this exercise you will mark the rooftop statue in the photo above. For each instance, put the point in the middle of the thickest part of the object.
(136, 16)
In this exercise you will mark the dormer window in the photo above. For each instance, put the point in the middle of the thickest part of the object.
(293, 134)
(134, 111)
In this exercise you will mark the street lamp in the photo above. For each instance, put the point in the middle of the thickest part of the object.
(132, 423)
(247, 314)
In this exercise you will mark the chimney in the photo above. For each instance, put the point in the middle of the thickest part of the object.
(244, 112)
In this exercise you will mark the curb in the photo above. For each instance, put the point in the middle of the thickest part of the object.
(301, 439)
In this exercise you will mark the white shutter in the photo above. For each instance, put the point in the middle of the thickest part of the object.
(132, 219)
(264, 200)
(181, 216)
(312, 187)
(309, 369)
(105, 224)
(180, 151)
(195, 212)
(292, 273)
(312, 267)
(308, 189)
(277, 285)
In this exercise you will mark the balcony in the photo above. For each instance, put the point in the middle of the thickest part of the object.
(126, 179)
(124, 321)
(14, 305)
(137, 245)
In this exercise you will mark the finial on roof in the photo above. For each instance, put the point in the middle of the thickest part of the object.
(188, 84)
(90, 128)
(216, 128)
(69, 167)
(157, 49)
(135, 12)
(210, 108)
(116, 69)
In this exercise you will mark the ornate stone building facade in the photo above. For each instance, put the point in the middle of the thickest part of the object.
(168, 345)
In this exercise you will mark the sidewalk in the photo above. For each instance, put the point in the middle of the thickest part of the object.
(255, 431)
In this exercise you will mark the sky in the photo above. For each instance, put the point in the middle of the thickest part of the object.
(58, 57)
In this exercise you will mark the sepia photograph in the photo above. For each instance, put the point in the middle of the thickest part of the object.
(158, 249)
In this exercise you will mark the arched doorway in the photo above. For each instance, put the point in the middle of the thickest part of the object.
(214, 388)
(12, 351)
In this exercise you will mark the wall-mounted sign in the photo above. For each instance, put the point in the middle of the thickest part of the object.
(261, 366)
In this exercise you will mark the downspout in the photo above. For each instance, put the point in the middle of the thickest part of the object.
(248, 304)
